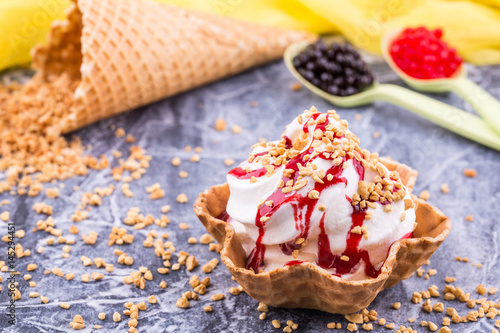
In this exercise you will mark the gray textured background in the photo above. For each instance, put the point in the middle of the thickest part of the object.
(164, 128)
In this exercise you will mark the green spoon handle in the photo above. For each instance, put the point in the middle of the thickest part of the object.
(444, 115)
(485, 104)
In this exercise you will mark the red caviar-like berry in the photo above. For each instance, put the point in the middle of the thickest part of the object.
(422, 54)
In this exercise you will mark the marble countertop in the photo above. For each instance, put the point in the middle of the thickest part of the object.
(165, 128)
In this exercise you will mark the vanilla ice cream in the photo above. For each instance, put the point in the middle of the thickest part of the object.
(316, 196)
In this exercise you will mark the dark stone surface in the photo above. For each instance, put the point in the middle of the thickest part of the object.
(166, 127)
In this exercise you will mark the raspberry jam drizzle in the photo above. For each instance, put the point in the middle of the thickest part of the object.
(303, 208)
(294, 262)
(241, 173)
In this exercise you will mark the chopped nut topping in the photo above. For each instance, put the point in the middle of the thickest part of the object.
(263, 307)
(64, 305)
(176, 161)
(235, 291)
(402, 217)
(97, 276)
(218, 297)
(449, 279)
(208, 267)
(182, 198)
(183, 226)
(313, 194)
(220, 124)
(296, 86)
(438, 307)
(471, 173)
(206, 239)
(424, 195)
(117, 317)
(445, 188)
(481, 289)
(352, 327)
(356, 318)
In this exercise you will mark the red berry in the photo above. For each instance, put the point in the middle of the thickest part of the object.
(421, 53)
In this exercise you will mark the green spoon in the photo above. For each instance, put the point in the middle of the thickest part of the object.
(485, 104)
(449, 117)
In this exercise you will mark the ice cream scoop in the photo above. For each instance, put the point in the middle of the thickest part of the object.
(316, 196)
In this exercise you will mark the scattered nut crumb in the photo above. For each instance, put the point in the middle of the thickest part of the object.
(445, 188)
(176, 161)
(64, 305)
(471, 173)
(424, 195)
(183, 226)
(119, 132)
(236, 129)
(182, 198)
(220, 124)
(117, 317)
(218, 297)
(352, 327)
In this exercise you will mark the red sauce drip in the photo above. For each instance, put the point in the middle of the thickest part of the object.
(288, 142)
(256, 258)
(241, 173)
(325, 257)
(294, 262)
(224, 216)
(408, 235)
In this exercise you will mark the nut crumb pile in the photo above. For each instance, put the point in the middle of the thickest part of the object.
(32, 149)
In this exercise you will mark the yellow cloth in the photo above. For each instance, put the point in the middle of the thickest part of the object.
(473, 27)
(23, 24)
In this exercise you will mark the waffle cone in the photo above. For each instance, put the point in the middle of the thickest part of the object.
(127, 53)
(307, 285)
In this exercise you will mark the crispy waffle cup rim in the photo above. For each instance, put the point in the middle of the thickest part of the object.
(403, 259)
